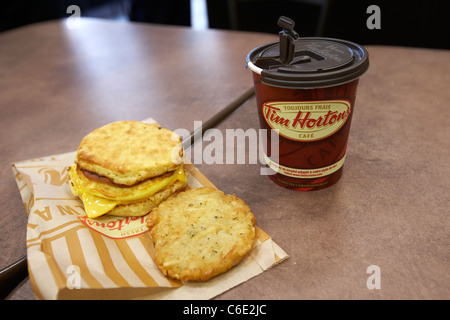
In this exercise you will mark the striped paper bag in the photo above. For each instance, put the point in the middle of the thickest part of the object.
(73, 257)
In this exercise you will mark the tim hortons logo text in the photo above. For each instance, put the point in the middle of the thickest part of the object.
(306, 121)
(116, 227)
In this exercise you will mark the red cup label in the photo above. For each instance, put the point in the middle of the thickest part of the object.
(306, 121)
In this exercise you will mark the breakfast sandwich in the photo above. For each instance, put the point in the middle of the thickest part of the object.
(127, 168)
(200, 233)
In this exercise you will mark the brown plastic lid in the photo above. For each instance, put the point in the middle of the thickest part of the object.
(307, 62)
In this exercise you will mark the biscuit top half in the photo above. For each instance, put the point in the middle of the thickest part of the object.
(128, 152)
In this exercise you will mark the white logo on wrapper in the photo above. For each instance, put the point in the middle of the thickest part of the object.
(74, 278)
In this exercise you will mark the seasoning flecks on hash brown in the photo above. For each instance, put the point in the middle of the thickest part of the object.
(200, 233)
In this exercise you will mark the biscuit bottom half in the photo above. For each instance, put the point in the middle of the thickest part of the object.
(141, 208)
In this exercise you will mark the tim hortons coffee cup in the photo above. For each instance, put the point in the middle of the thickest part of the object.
(305, 91)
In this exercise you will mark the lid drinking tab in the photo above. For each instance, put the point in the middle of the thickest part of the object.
(288, 36)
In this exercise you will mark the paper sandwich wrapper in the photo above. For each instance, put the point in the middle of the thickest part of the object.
(73, 257)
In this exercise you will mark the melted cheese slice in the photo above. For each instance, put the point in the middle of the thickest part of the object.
(96, 204)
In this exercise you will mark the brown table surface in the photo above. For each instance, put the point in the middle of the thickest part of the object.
(57, 80)
(390, 208)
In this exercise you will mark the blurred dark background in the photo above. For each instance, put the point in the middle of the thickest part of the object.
(416, 23)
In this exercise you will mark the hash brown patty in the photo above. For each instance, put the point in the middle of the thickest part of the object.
(200, 233)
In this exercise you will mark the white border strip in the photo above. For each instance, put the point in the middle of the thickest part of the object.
(254, 68)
